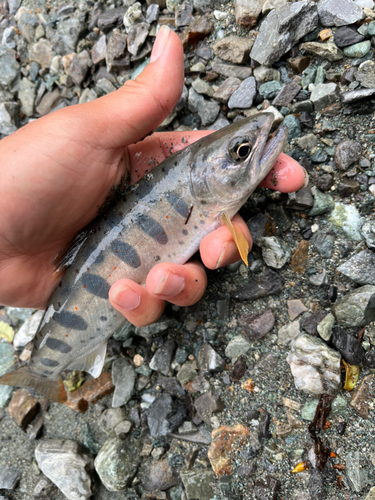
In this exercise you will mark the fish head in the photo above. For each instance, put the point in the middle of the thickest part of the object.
(230, 163)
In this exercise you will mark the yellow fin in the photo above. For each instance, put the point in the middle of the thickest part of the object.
(238, 236)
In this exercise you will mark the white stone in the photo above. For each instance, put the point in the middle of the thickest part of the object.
(365, 3)
(27, 331)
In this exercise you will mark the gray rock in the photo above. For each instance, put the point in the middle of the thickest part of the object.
(49, 101)
(9, 477)
(67, 35)
(117, 463)
(324, 328)
(9, 38)
(371, 494)
(323, 243)
(183, 15)
(44, 489)
(207, 404)
(27, 331)
(269, 90)
(207, 110)
(264, 284)
(316, 485)
(356, 476)
(88, 95)
(26, 94)
(247, 12)
(78, 67)
(234, 49)
(347, 153)
(42, 53)
(360, 268)
(9, 68)
(202, 87)
(315, 367)
(8, 117)
(275, 252)
(323, 95)
(286, 94)
(8, 363)
(160, 477)
(323, 203)
(164, 416)
(136, 37)
(356, 308)
(368, 231)
(99, 50)
(122, 429)
(339, 12)
(152, 13)
(326, 50)
(66, 466)
(116, 56)
(288, 332)
(230, 71)
(123, 376)
(110, 419)
(197, 484)
(161, 361)
(282, 29)
(256, 326)
(209, 360)
(156, 328)
(294, 127)
(301, 199)
(226, 89)
(133, 16)
(243, 97)
(14, 5)
(366, 74)
(237, 346)
(264, 74)
(187, 372)
(347, 35)
(356, 95)
(111, 18)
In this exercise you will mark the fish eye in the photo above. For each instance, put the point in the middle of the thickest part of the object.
(239, 148)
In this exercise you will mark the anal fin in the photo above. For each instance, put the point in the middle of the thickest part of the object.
(91, 363)
(238, 236)
(24, 377)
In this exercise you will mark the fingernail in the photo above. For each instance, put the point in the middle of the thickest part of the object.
(306, 178)
(221, 257)
(127, 299)
(169, 284)
(160, 43)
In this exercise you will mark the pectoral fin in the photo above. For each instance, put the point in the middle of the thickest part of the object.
(238, 236)
(92, 363)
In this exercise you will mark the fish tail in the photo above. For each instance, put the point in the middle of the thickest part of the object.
(24, 377)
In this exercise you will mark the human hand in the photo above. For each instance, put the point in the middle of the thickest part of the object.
(57, 171)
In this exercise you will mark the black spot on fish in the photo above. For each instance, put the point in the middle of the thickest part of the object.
(49, 362)
(152, 228)
(126, 253)
(47, 373)
(103, 318)
(70, 320)
(202, 221)
(143, 190)
(180, 242)
(58, 345)
(100, 258)
(178, 204)
(96, 285)
(185, 232)
(195, 227)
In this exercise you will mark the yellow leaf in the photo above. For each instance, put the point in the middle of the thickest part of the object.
(6, 331)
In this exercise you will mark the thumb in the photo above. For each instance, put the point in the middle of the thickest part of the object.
(137, 109)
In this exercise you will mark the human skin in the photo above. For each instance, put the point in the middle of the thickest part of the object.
(56, 173)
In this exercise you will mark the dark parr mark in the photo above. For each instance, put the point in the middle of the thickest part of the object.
(70, 320)
(178, 204)
(96, 285)
(58, 345)
(103, 318)
(152, 228)
(47, 373)
(49, 362)
(126, 253)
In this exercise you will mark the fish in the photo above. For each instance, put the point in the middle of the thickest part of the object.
(163, 219)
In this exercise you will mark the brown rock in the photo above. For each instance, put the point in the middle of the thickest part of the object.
(23, 407)
(90, 392)
(247, 12)
(41, 52)
(300, 257)
(207, 404)
(256, 326)
(225, 442)
(363, 396)
(295, 308)
(49, 101)
(299, 64)
(226, 89)
(197, 31)
(325, 34)
(234, 49)
(331, 110)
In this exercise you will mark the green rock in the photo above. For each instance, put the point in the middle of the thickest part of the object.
(309, 75)
(187, 372)
(269, 90)
(339, 405)
(371, 28)
(172, 4)
(323, 203)
(319, 157)
(6, 392)
(236, 347)
(8, 363)
(347, 219)
(89, 440)
(125, 332)
(197, 484)
(325, 326)
(293, 125)
(320, 75)
(117, 464)
(296, 455)
(309, 408)
(356, 308)
(358, 49)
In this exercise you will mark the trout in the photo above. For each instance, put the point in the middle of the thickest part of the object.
(163, 219)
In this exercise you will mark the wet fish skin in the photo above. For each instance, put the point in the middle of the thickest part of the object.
(163, 219)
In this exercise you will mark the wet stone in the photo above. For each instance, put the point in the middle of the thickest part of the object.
(209, 360)
(117, 463)
(66, 466)
(123, 376)
(360, 268)
(256, 326)
(339, 12)
(197, 484)
(110, 419)
(348, 346)
(164, 416)
(275, 252)
(300, 257)
(363, 395)
(162, 358)
(356, 308)
(347, 35)
(34, 429)
(288, 332)
(207, 110)
(356, 476)
(323, 203)
(243, 97)
(283, 28)
(356, 95)
(225, 442)
(315, 367)
(9, 477)
(230, 71)
(207, 404)
(286, 94)
(266, 283)
(233, 49)
(237, 346)
(323, 243)
(323, 95)
(23, 407)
